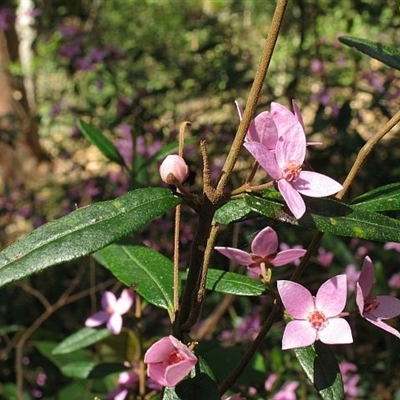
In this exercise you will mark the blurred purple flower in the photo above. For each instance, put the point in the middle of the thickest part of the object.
(7, 17)
(287, 392)
(350, 379)
(375, 308)
(68, 30)
(394, 281)
(324, 257)
(112, 312)
(352, 277)
(392, 246)
(127, 380)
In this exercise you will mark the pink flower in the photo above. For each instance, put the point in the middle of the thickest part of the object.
(315, 318)
(394, 281)
(169, 361)
(287, 392)
(375, 308)
(174, 168)
(127, 380)
(350, 379)
(352, 275)
(285, 164)
(264, 252)
(112, 312)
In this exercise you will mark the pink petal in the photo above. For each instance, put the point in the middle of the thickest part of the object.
(331, 296)
(296, 299)
(298, 334)
(114, 323)
(337, 332)
(156, 371)
(265, 158)
(389, 307)
(293, 199)
(313, 184)
(108, 300)
(176, 372)
(98, 318)
(125, 301)
(263, 130)
(298, 115)
(287, 256)
(265, 243)
(236, 255)
(359, 298)
(366, 279)
(284, 119)
(291, 147)
(382, 325)
(159, 351)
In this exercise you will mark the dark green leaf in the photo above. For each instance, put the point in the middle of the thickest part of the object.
(83, 231)
(384, 198)
(97, 138)
(81, 339)
(384, 53)
(327, 215)
(321, 367)
(232, 283)
(234, 210)
(150, 273)
(89, 369)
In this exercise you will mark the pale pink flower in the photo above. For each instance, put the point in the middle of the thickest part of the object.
(324, 257)
(375, 308)
(350, 379)
(352, 275)
(392, 246)
(285, 164)
(315, 318)
(127, 380)
(264, 250)
(287, 392)
(173, 168)
(394, 281)
(169, 361)
(112, 312)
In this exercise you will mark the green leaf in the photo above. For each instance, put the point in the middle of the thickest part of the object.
(81, 339)
(384, 53)
(233, 283)
(233, 211)
(321, 367)
(97, 138)
(90, 370)
(149, 272)
(83, 231)
(327, 215)
(383, 198)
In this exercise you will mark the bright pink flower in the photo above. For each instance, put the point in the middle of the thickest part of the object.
(112, 312)
(169, 361)
(264, 249)
(285, 164)
(315, 318)
(375, 308)
(176, 166)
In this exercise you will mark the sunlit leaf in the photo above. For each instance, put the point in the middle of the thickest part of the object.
(83, 231)
(383, 198)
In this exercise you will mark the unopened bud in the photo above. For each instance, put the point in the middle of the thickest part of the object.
(174, 168)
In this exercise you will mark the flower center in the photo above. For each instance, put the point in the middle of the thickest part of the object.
(109, 310)
(292, 171)
(371, 304)
(175, 357)
(317, 319)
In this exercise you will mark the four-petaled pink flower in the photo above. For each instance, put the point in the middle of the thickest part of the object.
(375, 308)
(169, 361)
(285, 164)
(112, 312)
(127, 380)
(264, 250)
(315, 318)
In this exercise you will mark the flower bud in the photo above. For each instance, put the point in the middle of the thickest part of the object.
(174, 169)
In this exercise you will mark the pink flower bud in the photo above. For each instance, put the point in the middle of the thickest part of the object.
(169, 361)
(174, 168)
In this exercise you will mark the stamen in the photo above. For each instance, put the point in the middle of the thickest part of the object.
(292, 171)
(317, 319)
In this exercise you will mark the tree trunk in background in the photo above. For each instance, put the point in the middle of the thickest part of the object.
(20, 149)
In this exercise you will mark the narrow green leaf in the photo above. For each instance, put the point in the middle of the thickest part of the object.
(232, 283)
(83, 231)
(90, 370)
(321, 367)
(384, 53)
(327, 215)
(81, 339)
(97, 138)
(149, 272)
(383, 198)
